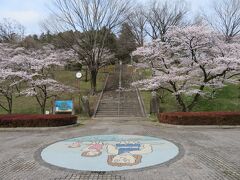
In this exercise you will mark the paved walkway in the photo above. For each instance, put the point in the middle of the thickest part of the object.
(207, 153)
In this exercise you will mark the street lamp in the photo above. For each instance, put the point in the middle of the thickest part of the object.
(131, 58)
(79, 76)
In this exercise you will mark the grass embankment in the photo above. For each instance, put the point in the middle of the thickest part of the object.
(29, 105)
(226, 99)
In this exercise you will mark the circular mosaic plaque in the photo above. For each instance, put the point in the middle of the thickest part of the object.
(109, 152)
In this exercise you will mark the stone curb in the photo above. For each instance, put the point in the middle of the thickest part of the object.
(25, 129)
(199, 126)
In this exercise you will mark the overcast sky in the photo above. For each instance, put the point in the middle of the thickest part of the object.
(31, 12)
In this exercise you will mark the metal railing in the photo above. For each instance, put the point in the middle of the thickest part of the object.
(100, 97)
(141, 103)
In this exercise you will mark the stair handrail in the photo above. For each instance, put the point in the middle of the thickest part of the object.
(142, 106)
(141, 103)
(100, 97)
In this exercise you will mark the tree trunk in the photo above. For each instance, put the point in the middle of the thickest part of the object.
(181, 103)
(94, 81)
(43, 107)
(42, 110)
(194, 102)
(42, 104)
(195, 99)
(10, 105)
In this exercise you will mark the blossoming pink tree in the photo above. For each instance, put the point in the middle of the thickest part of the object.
(192, 59)
(44, 89)
(35, 68)
(9, 87)
(41, 64)
(10, 80)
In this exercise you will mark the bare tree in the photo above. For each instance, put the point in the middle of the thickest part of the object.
(89, 23)
(137, 20)
(226, 14)
(11, 31)
(161, 16)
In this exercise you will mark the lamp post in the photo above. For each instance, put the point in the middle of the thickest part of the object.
(131, 58)
(120, 75)
(79, 76)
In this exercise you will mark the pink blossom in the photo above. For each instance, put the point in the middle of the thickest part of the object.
(192, 58)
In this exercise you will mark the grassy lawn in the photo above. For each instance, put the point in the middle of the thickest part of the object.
(226, 99)
(28, 105)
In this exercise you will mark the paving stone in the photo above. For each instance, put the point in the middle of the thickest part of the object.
(208, 153)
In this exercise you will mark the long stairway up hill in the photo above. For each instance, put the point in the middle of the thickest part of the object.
(123, 101)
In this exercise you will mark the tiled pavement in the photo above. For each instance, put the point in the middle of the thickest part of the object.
(207, 153)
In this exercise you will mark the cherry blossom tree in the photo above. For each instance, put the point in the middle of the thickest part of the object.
(191, 60)
(10, 79)
(40, 64)
(34, 68)
(9, 87)
(44, 89)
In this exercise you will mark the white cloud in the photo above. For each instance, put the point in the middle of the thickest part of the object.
(24, 17)
(29, 19)
(30, 12)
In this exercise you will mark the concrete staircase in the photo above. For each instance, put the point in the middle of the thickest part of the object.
(120, 103)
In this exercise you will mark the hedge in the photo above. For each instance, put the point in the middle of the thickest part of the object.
(200, 118)
(36, 120)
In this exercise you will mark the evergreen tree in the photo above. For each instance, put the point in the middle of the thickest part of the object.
(126, 43)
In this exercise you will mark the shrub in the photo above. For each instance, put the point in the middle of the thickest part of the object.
(36, 120)
(200, 118)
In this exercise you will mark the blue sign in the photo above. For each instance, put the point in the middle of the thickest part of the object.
(64, 106)
(109, 152)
